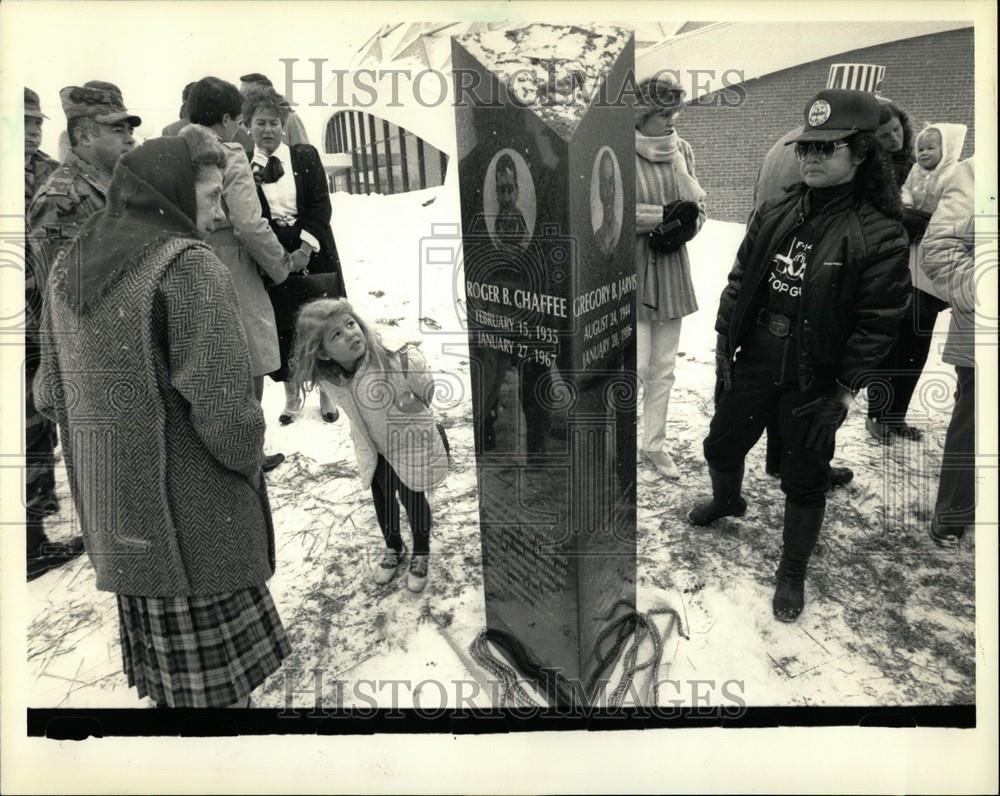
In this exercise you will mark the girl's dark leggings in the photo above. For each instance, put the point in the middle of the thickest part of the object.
(386, 487)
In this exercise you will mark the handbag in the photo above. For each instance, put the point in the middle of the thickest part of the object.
(297, 289)
(679, 225)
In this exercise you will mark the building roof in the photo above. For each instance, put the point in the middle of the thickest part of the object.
(719, 51)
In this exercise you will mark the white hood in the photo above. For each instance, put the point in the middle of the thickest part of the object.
(952, 141)
(922, 188)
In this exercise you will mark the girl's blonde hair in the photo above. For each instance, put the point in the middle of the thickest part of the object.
(313, 319)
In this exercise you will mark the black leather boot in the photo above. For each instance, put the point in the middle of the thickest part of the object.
(800, 534)
(840, 476)
(726, 499)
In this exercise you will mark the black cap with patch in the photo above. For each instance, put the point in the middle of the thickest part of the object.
(836, 113)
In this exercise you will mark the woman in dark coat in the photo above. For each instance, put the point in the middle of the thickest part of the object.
(895, 135)
(146, 368)
(814, 301)
(295, 199)
(892, 387)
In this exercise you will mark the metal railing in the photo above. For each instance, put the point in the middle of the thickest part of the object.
(385, 158)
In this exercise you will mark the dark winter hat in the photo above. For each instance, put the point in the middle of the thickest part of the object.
(99, 100)
(256, 78)
(32, 107)
(836, 113)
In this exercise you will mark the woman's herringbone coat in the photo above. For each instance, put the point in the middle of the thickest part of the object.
(162, 437)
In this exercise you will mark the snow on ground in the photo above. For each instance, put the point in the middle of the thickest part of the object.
(889, 619)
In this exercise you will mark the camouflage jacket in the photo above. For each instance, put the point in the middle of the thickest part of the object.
(36, 172)
(72, 194)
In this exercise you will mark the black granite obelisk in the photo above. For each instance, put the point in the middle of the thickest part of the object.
(546, 172)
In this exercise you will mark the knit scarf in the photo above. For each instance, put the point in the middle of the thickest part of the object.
(665, 149)
(657, 148)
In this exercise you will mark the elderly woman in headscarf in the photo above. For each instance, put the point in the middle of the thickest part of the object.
(669, 211)
(146, 368)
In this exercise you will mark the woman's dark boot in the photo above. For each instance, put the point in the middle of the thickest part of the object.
(726, 499)
(800, 534)
(840, 476)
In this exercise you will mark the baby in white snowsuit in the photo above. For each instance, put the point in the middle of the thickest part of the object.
(938, 149)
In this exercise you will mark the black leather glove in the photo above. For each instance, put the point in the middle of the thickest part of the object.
(828, 413)
(723, 367)
(680, 222)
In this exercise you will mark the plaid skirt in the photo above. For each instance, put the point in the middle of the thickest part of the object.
(198, 652)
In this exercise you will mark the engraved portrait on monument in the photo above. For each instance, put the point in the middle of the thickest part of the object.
(606, 200)
(509, 200)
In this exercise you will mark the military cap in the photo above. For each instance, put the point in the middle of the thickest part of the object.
(32, 107)
(97, 99)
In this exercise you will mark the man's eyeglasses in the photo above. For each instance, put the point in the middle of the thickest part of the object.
(824, 149)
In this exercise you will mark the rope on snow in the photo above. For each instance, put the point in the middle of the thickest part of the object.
(634, 623)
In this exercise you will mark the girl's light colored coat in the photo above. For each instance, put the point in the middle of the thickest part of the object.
(388, 417)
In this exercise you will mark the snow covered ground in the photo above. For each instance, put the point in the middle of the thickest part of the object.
(889, 618)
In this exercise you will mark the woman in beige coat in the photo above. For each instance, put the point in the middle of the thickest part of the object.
(245, 241)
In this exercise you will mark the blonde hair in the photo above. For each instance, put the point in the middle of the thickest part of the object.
(311, 324)
(927, 130)
(658, 93)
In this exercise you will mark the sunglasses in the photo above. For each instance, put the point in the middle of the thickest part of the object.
(824, 149)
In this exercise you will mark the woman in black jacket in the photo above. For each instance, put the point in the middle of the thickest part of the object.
(895, 135)
(813, 302)
(295, 199)
(892, 388)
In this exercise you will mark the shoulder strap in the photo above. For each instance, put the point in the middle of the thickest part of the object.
(404, 365)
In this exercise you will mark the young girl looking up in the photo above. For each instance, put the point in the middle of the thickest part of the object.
(385, 395)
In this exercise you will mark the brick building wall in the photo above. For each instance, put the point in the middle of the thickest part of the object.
(930, 77)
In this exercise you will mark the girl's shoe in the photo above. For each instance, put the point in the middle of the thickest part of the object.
(332, 416)
(664, 464)
(417, 578)
(387, 568)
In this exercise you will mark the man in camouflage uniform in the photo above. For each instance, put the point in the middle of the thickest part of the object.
(100, 132)
(37, 165)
